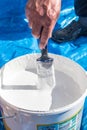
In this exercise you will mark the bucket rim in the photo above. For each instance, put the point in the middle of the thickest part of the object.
(54, 111)
(50, 112)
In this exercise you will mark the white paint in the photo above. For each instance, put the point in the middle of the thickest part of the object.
(46, 75)
(21, 77)
(64, 93)
(65, 100)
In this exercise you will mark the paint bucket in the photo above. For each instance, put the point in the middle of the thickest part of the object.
(62, 110)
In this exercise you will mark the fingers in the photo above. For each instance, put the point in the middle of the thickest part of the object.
(30, 21)
(45, 35)
(30, 24)
(42, 17)
(36, 29)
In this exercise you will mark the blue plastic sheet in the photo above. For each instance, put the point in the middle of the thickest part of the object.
(16, 38)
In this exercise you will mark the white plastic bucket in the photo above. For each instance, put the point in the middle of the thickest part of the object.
(65, 111)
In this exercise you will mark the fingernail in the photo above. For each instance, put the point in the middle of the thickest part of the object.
(40, 46)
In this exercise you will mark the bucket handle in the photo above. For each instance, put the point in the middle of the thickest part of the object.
(5, 117)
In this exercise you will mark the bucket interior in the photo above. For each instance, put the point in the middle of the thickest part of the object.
(70, 84)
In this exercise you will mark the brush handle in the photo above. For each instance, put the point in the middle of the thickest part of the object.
(44, 53)
(44, 56)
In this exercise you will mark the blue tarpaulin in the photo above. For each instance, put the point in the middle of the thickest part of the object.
(16, 38)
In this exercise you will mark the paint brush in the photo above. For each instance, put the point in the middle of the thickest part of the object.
(45, 71)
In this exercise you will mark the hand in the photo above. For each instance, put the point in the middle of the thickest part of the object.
(42, 16)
